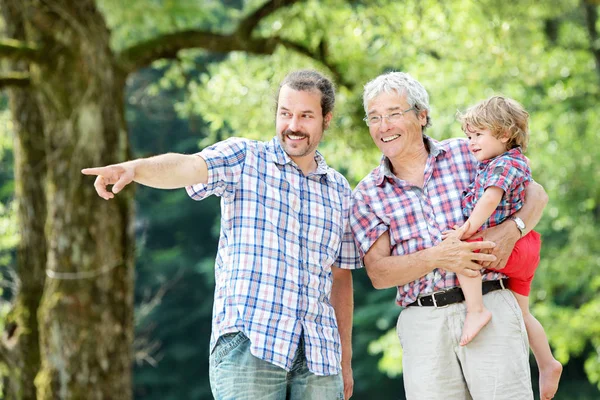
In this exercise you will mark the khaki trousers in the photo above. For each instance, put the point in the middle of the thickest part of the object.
(494, 366)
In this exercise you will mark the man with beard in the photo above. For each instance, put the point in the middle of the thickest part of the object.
(282, 314)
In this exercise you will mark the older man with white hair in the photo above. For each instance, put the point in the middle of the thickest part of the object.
(399, 213)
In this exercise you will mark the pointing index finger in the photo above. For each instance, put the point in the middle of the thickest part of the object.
(93, 171)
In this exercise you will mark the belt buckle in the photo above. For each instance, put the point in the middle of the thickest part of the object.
(435, 302)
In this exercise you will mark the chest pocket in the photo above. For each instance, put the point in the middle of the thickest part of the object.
(405, 225)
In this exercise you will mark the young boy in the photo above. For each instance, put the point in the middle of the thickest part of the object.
(498, 133)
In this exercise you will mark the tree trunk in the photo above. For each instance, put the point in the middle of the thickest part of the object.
(31, 252)
(22, 337)
(86, 312)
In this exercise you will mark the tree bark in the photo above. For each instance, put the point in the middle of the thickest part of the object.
(31, 252)
(22, 340)
(86, 312)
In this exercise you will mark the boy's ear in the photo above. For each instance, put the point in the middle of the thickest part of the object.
(505, 137)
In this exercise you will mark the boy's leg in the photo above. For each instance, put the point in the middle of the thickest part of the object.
(477, 315)
(235, 374)
(550, 368)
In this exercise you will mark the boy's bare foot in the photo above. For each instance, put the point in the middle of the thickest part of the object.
(473, 324)
(549, 377)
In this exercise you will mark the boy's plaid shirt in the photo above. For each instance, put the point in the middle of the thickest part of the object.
(281, 232)
(510, 172)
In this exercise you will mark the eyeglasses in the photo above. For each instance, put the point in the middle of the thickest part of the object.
(375, 120)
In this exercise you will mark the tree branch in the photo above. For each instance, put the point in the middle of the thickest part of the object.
(15, 49)
(319, 55)
(167, 46)
(248, 24)
(14, 79)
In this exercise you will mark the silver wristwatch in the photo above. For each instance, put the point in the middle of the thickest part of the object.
(520, 224)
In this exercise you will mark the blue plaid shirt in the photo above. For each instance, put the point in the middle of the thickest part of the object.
(281, 232)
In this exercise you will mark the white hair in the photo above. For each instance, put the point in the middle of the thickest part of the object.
(400, 83)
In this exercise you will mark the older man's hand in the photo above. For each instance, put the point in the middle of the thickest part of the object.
(505, 236)
(464, 258)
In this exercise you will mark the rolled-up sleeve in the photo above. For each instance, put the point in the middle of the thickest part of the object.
(225, 161)
(366, 226)
(506, 175)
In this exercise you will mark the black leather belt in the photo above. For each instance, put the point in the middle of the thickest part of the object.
(444, 298)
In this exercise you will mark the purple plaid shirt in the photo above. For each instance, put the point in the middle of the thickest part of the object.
(416, 217)
(510, 172)
(281, 232)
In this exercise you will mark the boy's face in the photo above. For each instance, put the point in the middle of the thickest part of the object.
(484, 144)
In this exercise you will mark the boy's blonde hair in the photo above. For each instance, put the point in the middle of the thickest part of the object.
(501, 115)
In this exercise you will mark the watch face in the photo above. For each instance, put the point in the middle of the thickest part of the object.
(519, 223)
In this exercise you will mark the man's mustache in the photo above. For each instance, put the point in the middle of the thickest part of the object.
(288, 132)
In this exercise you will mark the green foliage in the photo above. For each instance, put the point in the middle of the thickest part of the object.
(536, 52)
(8, 234)
(462, 52)
(389, 346)
(176, 246)
(8, 224)
(145, 19)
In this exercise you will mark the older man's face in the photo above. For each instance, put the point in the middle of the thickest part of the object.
(401, 135)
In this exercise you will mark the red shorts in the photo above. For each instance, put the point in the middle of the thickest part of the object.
(522, 263)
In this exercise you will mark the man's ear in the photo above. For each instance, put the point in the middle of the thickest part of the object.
(327, 119)
(422, 115)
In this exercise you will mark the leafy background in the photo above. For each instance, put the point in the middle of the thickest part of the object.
(542, 53)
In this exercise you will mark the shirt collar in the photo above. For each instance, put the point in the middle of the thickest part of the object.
(514, 152)
(434, 147)
(279, 156)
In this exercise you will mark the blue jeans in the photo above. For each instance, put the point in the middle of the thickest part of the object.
(235, 374)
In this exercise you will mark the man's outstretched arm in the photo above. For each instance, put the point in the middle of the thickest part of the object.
(166, 171)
